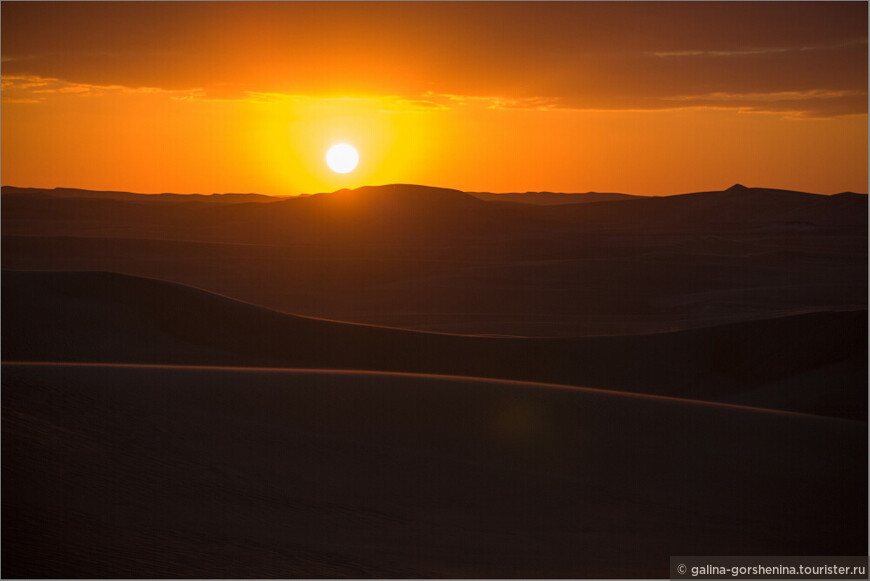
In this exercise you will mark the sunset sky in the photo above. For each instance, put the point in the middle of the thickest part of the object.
(645, 98)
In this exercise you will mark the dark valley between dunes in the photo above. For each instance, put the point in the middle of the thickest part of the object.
(409, 381)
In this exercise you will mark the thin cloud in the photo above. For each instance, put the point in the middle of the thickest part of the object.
(451, 100)
(768, 97)
(35, 89)
(814, 103)
(759, 50)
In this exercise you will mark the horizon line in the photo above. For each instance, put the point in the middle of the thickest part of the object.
(408, 184)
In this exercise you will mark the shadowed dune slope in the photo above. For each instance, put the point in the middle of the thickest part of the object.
(321, 474)
(588, 285)
(814, 363)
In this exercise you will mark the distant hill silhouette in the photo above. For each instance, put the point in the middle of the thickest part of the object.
(412, 214)
(407, 213)
(736, 209)
(77, 193)
(553, 198)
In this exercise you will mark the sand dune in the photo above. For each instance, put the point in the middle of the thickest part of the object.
(588, 286)
(156, 472)
(88, 316)
(157, 422)
(442, 260)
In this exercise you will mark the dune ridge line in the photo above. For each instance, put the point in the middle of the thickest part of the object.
(444, 377)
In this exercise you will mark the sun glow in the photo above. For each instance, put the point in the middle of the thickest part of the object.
(342, 158)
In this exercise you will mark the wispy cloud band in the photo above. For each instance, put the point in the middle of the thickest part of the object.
(812, 103)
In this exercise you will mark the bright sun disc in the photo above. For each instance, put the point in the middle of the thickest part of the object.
(342, 158)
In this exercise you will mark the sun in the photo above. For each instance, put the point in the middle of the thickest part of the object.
(342, 158)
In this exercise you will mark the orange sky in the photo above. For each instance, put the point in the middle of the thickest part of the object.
(645, 97)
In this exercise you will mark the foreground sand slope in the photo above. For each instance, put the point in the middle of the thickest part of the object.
(154, 472)
(814, 363)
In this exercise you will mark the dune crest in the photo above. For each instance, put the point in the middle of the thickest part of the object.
(281, 469)
(106, 317)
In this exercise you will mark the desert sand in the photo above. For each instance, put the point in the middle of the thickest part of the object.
(812, 363)
(403, 381)
(126, 471)
(441, 260)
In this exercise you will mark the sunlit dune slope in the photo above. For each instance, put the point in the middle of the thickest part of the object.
(107, 317)
(317, 474)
